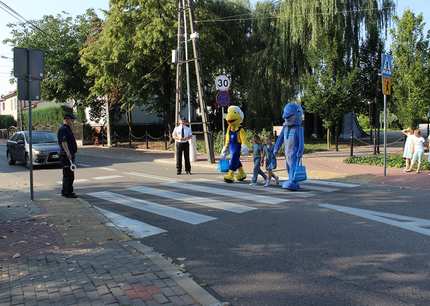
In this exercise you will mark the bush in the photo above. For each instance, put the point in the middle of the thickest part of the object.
(393, 161)
(6, 121)
(48, 118)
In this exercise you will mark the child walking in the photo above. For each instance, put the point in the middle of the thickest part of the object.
(409, 148)
(257, 149)
(270, 161)
(418, 143)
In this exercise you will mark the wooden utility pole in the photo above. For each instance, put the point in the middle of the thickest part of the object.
(179, 65)
(187, 5)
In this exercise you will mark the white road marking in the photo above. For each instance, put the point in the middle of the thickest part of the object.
(307, 186)
(421, 226)
(134, 228)
(162, 210)
(75, 181)
(109, 177)
(332, 183)
(272, 190)
(229, 193)
(107, 169)
(235, 208)
(150, 176)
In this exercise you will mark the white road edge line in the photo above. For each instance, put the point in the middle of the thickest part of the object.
(421, 226)
(75, 181)
(134, 228)
(109, 177)
(151, 176)
(107, 169)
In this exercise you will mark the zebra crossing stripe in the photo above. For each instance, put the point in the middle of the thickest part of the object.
(272, 190)
(308, 186)
(332, 184)
(161, 210)
(134, 228)
(231, 207)
(311, 186)
(229, 193)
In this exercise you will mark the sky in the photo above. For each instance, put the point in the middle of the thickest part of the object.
(32, 9)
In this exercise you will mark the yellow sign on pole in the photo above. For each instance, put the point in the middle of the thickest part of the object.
(386, 86)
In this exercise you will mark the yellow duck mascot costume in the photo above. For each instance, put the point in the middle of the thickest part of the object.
(236, 143)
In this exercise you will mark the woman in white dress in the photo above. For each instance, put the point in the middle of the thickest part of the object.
(408, 151)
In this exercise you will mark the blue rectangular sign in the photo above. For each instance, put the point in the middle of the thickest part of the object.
(387, 65)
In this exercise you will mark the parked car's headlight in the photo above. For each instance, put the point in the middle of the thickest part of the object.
(36, 152)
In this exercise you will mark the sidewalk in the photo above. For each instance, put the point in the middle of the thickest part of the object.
(58, 251)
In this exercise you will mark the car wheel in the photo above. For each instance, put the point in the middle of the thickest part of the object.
(10, 159)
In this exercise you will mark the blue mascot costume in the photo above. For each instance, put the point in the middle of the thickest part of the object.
(292, 135)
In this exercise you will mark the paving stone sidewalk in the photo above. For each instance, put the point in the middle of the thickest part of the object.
(61, 252)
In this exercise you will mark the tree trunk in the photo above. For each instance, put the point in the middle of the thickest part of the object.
(328, 138)
(129, 121)
(336, 136)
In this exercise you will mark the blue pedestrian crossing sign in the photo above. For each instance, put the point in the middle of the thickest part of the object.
(387, 65)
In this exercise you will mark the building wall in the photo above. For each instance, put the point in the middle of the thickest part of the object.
(9, 106)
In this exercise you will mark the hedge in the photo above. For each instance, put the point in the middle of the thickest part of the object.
(6, 121)
(393, 161)
(48, 118)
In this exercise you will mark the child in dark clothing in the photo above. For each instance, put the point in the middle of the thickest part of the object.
(257, 149)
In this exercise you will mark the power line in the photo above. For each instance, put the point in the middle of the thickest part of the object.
(9, 10)
(229, 19)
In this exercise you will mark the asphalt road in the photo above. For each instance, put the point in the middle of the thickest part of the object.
(327, 245)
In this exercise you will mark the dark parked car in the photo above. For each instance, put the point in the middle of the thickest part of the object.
(46, 150)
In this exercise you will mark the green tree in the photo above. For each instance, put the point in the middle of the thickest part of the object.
(129, 57)
(411, 69)
(330, 33)
(61, 37)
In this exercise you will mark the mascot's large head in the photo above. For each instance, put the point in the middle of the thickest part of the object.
(293, 114)
(234, 116)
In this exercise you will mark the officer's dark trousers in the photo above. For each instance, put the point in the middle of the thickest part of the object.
(183, 148)
(68, 176)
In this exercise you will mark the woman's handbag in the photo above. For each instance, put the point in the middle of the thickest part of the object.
(223, 165)
(300, 173)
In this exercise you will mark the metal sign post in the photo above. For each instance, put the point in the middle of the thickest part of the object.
(386, 72)
(222, 84)
(28, 67)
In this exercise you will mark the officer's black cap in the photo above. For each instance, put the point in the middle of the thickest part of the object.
(69, 116)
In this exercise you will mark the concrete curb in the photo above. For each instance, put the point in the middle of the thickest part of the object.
(184, 280)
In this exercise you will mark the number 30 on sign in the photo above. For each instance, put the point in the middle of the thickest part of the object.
(222, 82)
(386, 86)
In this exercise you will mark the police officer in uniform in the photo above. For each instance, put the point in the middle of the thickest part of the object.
(182, 134)
(68, 149)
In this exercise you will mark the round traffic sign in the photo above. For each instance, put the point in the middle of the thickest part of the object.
(222, 82)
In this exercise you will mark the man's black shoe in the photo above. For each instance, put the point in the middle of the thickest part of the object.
(189, 172)
(70, 196)
(178, 173)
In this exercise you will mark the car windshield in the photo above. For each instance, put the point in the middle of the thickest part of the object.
(43, 137)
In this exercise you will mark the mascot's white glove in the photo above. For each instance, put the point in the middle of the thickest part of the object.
(223, 153)
(244, 150)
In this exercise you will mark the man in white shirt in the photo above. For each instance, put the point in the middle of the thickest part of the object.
(182, 134)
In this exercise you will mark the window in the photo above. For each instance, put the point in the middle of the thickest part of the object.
(3, 105)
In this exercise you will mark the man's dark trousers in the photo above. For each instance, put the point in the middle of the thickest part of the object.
(68, 176)
(185, 148)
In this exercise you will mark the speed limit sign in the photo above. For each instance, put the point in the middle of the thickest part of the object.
(222, 82)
